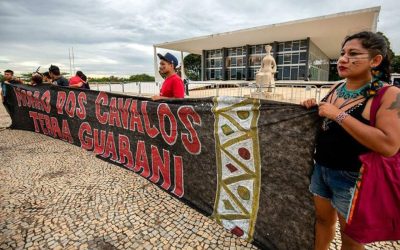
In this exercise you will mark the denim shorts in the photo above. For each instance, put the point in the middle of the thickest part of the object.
(336, 185)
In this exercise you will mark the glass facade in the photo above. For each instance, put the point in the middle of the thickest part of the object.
(318, 64)
(235, 63)
(292, 59)
(214, 64)
(333, 73)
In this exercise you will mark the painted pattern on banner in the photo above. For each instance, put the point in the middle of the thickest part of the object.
(238, 164)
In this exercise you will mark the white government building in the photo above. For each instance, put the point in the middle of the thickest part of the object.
(305, 48)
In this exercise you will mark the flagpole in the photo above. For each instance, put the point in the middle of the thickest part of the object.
(70, 65)
(73, 59)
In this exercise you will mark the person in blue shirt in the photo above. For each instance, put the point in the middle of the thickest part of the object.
(8, 78)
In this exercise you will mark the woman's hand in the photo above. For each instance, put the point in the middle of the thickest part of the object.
(328, 110)
(309, 103)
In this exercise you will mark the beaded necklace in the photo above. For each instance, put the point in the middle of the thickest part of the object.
(367, 91)
(343, 92)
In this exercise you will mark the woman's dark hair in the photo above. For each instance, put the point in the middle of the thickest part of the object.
(376, 45)
(37, 79)
(81, 75)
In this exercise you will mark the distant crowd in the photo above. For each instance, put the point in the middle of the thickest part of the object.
(53, 76)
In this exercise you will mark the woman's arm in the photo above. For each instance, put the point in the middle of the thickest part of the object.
(385, 137)
(78, 85)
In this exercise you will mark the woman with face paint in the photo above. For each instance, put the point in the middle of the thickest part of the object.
(345, 133)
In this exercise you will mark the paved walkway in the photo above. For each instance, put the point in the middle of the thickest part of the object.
(54, 195)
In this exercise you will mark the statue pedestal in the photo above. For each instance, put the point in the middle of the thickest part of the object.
(265, 81)
(266, 95)
(258, 95)
(266, 87)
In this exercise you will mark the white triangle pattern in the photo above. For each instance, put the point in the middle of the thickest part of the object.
(221, 206)
(247, 184)
(226, 173)
(222, 137)
(247, 145)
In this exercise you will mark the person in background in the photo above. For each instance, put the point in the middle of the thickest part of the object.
(173, 85)
(84, 78)
(346, 132)
(46, 78)
(37, 79)
(79, 81)
(56, 76)
(186, 84)
(8, 79)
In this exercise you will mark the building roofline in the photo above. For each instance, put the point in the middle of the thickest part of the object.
(375, 9)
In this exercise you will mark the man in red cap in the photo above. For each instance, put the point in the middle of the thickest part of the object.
(173, 85)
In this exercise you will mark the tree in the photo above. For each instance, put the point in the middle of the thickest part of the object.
(101, 79)
(1, 77)
(192, 64)
(141, 78)
(390, 51)
(26, 77)
(395, 59)
(396, 64)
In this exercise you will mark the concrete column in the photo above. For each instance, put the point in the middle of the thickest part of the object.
(203, 65)
(183, 76)
(375, 22)
(275, 50)
(307, 57)
(224, 53)
(246, 63)
(157, 75)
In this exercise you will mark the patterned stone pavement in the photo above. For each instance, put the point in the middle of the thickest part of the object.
(54, 195)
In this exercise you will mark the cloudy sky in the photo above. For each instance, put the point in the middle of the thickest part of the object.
(115, 37)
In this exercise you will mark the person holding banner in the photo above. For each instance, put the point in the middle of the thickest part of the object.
(56, 76)
(79, 81)
(8, 79)
(37, 79)
(346, 132)
(173, 84)
(46, 78)
(8, 75)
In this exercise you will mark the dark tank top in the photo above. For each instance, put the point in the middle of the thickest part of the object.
(335, 148)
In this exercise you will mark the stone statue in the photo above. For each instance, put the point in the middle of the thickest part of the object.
(265, 76)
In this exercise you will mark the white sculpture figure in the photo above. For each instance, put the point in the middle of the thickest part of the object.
(265, 76)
